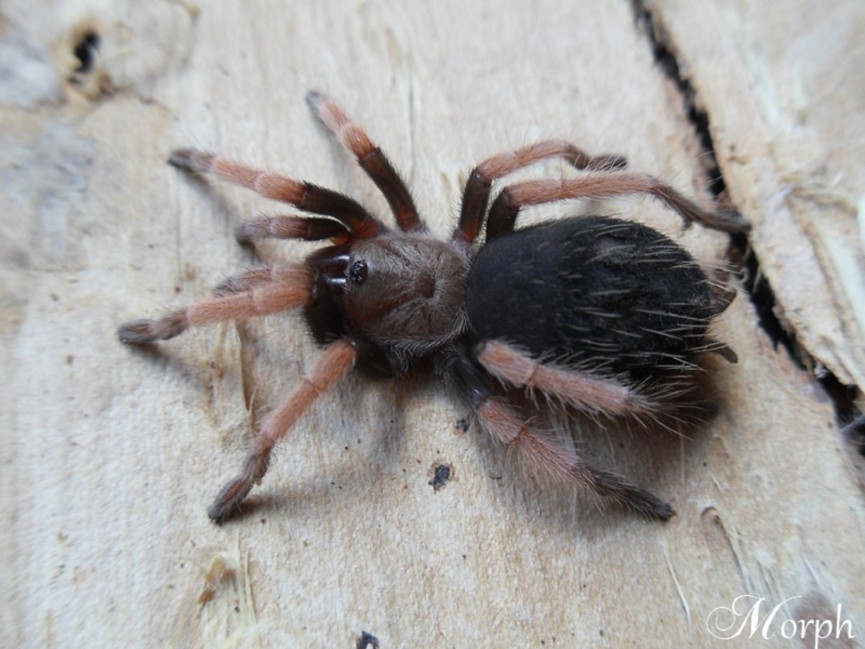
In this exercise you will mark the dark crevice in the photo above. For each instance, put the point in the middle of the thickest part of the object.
(848, 415)
(739, 253)
(763, 298)
(667, 61)
(854, 435)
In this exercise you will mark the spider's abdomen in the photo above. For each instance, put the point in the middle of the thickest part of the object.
(597, 292)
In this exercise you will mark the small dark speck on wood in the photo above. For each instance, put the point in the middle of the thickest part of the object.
(366, 640)
(441, 475)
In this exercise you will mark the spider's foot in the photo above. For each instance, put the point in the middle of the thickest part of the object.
(251, 231)
(647, 504)
(328, 112)
(229, 498)
(143, 331)
(227, 502)
(316, 100)
(728, 221)
(634, 498)
(191, 160)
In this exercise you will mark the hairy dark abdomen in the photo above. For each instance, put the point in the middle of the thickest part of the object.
(599, 292)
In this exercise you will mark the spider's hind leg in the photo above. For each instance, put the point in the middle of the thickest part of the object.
(586, 393)
(503, 212)
(538, 449)
(677, 404)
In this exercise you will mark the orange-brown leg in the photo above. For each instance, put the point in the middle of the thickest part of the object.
(589, 394)
(327, 369)
(538, 449)
(543, 454)
(290, 286)
(477, 191)
(256, 277)
(303, 195)
(292, 227)
(504, 209)
(370, 157)
(674, 404)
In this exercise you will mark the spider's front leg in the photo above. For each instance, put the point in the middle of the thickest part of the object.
(303, 195)
(370, 157)
(539, 449)
(337, 359)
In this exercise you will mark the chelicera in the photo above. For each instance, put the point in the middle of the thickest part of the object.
(602, 317)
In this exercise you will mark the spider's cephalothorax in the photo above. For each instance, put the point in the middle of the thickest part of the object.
(602, 316)
(402, 295)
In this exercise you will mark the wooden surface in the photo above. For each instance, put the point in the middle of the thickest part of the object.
(110, 455)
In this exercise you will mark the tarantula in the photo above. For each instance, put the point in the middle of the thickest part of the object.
(601, 316)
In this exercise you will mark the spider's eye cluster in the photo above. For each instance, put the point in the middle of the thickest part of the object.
(357, 272)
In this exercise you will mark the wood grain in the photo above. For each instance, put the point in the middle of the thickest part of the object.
(111, 455)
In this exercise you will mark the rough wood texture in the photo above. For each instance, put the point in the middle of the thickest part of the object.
(110, 455)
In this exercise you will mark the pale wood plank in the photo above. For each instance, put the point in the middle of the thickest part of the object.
(111, 456)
